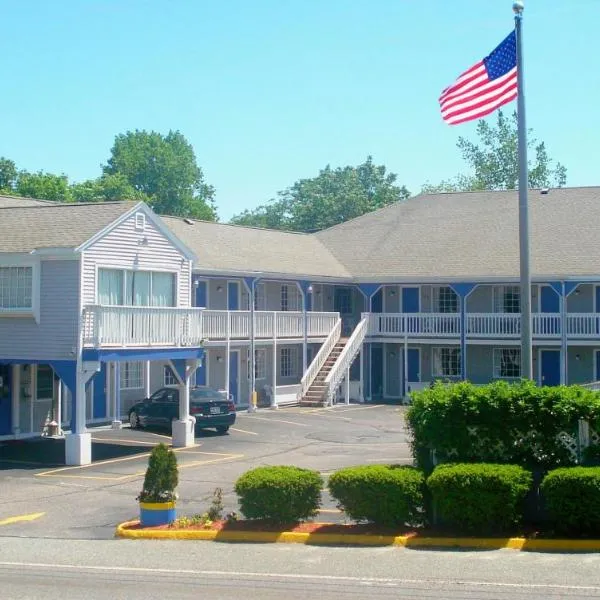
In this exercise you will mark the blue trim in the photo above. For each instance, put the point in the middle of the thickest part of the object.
(369, 289)
(250, 281)
(570, 286)
(556, 286)
(179, 364)
(463, 289)
(6, 403)
(131, 354)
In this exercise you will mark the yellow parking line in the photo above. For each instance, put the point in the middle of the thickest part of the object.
(20, 518)
(361, 408)
(243, 431)
(279, 421)
(102, 462)
(136, 442)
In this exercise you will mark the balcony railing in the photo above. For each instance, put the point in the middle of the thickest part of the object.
(481, 325)
(164, 326)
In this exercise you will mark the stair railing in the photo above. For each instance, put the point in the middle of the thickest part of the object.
(344, 360)
(319, 360)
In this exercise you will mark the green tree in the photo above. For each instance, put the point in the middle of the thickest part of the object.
(164, 169)
(8, 175)
(332, 197)
(495, 163)
(44, 186)
(105, 189)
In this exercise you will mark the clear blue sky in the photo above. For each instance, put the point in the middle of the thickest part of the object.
(270, 91)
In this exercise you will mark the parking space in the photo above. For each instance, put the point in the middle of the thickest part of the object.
(87, 501)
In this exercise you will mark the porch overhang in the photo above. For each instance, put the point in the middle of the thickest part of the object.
(141, 354)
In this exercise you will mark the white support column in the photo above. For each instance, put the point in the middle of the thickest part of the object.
(78, 444)
(59, 401)
(147, 390)
(361, 360)
(16, 391)
(185, 428)
(117, 423)
(228, 354)
(564, 348)
(64, 402)
(347, 387)
(274, 404)
(405, 367)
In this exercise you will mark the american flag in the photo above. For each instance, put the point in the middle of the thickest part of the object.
(487, 85)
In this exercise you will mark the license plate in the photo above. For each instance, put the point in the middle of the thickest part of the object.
(215, 410)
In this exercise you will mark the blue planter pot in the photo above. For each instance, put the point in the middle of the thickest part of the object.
(157, 513)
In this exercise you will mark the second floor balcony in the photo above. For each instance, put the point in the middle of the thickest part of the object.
(482, 325)
(131, 326)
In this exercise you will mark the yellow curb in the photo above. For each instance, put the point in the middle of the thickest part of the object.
(355, 539)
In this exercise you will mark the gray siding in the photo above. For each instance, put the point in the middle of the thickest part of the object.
(581, 300)
(393, 370)
(55, 337)
(391, 299)
(581, 364)
(480, 300)
(120, 248)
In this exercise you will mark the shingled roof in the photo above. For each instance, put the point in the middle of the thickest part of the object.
(47, 225)
(473, 235)
(249, 250)
(16, 201)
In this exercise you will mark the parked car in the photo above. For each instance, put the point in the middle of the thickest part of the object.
(210, 407)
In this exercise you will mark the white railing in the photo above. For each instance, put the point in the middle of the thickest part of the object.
(583, 325)
(140, 326)
(425, 324)
(319, 360)
(166, 326)
(493, 324)
(344, 360)
(546, 324)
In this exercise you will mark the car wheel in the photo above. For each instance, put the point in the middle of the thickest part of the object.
(134, 420)
(223, 429)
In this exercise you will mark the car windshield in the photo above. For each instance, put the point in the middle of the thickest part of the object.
(205, 394)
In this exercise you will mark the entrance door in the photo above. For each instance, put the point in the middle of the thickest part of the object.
(410, 300)
(233, 295)
(549, 300)
(99, 408)
(5, 399)
(550, 367)
(376, 371)
(234, 363)
(201, 371)
(201, 294)
(342, 303)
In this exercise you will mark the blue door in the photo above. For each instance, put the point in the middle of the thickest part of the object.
(201, 294)
(410, 300)
(413, 367)
(234, 359)
(597, 378)
(376, 371)
(5, 399)
(99, 406)
(233, 295)
(549, 300)
(550, 367)
(377, 301)
(201, 372)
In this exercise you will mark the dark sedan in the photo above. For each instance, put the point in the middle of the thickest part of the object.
(209, 407)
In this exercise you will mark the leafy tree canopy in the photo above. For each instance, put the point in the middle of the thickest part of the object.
(332, 197)
(163, 168)
(44, 186)
(495, 163)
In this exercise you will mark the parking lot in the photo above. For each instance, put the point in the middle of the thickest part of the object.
(41, 498)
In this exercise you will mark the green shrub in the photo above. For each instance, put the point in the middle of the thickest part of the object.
(161, 477)
(498, 423)
(572, 499)
(281, 494)
(479, 498)
(381, 494)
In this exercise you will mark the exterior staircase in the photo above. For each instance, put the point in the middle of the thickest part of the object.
(316, 394)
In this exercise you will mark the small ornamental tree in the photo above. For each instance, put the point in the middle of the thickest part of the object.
(161, 477)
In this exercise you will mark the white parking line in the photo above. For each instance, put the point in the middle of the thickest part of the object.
(279, 421)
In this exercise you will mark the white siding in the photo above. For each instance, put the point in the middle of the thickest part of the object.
(119, 249)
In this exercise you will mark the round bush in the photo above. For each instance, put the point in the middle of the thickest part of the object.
(572, 498)
(479, 498)
(381, 494)
(280, 494)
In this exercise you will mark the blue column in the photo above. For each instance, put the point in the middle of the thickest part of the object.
(463, 290)
(67, 371)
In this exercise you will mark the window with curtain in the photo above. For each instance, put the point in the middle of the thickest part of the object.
(117, 287)
(288, 362)
(507, 362)
(446, 362)
(444, 300)
(131, 374)
(16, 285)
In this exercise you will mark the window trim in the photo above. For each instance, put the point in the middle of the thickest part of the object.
(122, 370)
(34, 310)
(258, 376)
(433, 361)
(436, 294)
(170, 370)
(293, 362)
(496, 362)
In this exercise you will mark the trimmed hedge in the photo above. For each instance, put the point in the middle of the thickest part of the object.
(382, 494)
(498, 423)
(572, 499)
(281, 494)
(479, 498)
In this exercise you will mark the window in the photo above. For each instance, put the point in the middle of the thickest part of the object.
(260, 302)
(284, 298)
(446, 362)
(290, 298)
(131, 375)
(260, 364)
(507, 299)
(140, 221)
(117, 287)
(343, 301)
(169, 377)
(45, 382)
(444, 300)
(507, 362)
(16, 285)
(288, 362)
